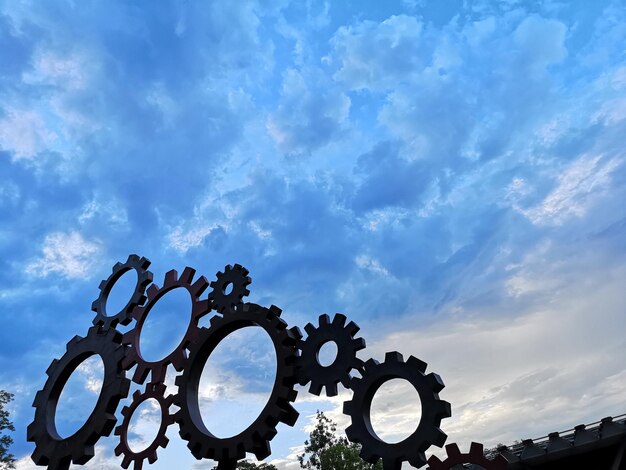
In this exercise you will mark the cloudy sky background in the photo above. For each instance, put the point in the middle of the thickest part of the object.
(450, 175)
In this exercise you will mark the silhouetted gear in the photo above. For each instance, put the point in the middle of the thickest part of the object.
(309, 367)
(475, 456)
(235, 276)
(255, 438)
(177, 357)
(53, 450)
(124, 316)
(427, 432)
(156, 391)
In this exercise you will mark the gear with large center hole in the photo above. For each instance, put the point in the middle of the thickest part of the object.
(309, 367)
(475, 456)
(236, 277)
(157, 392)
(177, 357)
(53, 450)
(255, 438)
(427, 432)
(124, 316)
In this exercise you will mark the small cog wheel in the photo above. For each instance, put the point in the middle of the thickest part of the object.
(124, 317)
(177, 357)
(255, 438)
(427, 432)
(237, 278)
(50, 448)
(157, 392)
(309, 367)
(475, 456)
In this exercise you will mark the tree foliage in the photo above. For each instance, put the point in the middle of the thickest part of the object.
(7, 460)
(246, 465)
(325, 451)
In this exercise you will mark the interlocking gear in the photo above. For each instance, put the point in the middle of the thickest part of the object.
(255, 438)
(53, 450)
(309, 367)
(235, 276)
(157, 392)
(427, 432)
(124, 316)
(475, 456)
(177, 357)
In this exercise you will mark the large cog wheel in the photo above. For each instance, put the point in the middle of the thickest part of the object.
(475, 456)
(237, 278)
(427, 432)
(53, 450)
(255, 438)
(124, 316)
(177, 357)
(309, 367)
(157, 392)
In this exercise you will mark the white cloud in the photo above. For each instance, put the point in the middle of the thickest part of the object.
(24, 133)
(579, 186)
(68, 254)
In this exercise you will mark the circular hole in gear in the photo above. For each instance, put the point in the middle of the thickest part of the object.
(237, 381)
(165, 325)
(79, 396)
(327, 354)
(228, 288)
(395, 411)
(121, 292)
(144, 425)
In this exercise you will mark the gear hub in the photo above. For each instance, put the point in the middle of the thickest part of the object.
(427, 432)
(53, 450)
(255, 438)
(124, 316)
(230, 288)
(309, 367)
(177, 356)
(157, 392)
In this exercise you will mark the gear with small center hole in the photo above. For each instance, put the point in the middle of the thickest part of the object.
(427, 432)
(124, 316)
(58, 452)
(475, 456)
(157, 392)
(235, 276)
(255, 438)
(177, 357)
(309, 367)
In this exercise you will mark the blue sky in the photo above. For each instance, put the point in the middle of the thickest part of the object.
(450, 175)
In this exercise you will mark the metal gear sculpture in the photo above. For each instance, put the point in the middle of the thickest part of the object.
(255, 438)
(297, 362)
(155, 391)
(475, 456)
(309, 367)
(427, 432)
(236, 277)
(177, 357)
(53, 450)
(124, 316)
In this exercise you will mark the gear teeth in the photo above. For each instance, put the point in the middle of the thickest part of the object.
(476, 449)
(153, 290)
(353, 328)
(314, 388)
(310, 329)
(358, 344)
(370, 364)
(453, 451)
(200, 286)
(274, 309)
(340, 320)
(393, 356)
(331, 390)
(170, 277)
(324, 320)
(52, 367)
(116, 267)
(435, 382)
(417, 364)
(186, 276)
